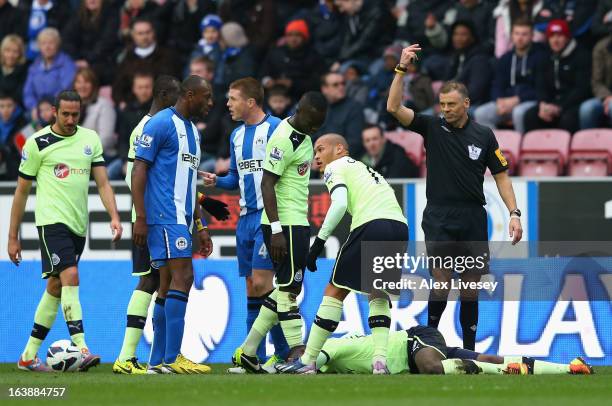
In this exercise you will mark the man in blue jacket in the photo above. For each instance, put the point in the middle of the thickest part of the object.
(513, 91)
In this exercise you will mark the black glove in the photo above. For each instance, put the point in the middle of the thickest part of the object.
(313, 254)
(215, 208)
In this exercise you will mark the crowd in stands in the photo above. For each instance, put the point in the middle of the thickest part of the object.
(528, 64)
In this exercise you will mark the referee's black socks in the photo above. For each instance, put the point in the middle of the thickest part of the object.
(468, 316)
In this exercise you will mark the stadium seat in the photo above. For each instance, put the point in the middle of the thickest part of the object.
(412, 144)
(591, 153)
(510, 144)
(544, 152)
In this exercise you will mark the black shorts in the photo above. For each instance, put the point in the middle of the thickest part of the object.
(456, 231)
(420, 337)
(141, 260)
(348, 272)
(60, 248)
(290, 272)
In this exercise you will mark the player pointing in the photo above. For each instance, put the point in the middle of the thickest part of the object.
(60, 157)
(377, 216)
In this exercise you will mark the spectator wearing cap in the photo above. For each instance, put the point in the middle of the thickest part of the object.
(208, 45)
(469, 63)
(294, 64)
(593, 110)
(514, 85)
(561, 82)
(237, 60)
(184, 19)
(578, 14)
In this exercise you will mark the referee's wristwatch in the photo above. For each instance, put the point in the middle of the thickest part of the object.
(515, 213)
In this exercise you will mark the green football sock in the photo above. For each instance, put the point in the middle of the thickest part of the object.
(43, 321)
(71, 307)
(379, 321)
(325, 323)
(458, 367)
(264, 322)
(549, 368)
(290, 318)
(137, 311)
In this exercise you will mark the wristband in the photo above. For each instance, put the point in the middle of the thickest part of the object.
(400, 70)
(199, 225)
(514, 216)
(276, 227)
(201, 197)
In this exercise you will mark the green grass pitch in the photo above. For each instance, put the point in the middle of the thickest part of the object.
(101, 387)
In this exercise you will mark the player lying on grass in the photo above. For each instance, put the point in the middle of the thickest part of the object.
(422, 350)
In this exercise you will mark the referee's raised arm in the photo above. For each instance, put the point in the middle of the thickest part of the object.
(394, 103)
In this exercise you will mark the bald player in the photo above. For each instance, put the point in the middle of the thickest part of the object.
(376, 216)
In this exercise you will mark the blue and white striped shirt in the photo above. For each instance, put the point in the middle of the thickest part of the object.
(170, 144)
(248, 151)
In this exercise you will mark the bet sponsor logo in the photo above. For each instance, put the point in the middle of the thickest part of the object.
(251, 165)
(192, 160)
(303, 168)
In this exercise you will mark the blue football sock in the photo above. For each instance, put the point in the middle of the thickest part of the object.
(158, 348)
(281, 348)
(176, 304)
(253, 307)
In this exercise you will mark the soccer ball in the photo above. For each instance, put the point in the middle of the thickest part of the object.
(63, 356)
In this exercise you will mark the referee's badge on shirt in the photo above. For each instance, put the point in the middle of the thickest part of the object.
(474, 152)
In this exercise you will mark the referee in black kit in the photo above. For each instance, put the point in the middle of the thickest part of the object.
(458, 152)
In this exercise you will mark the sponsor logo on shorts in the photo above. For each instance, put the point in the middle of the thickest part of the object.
(55, 259)
(303, 168)
(181, 243)
(276, 154)
(474, 151)
(298, 276)
(87, 150)
(145, 141)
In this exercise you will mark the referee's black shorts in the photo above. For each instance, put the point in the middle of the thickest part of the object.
(290, 272)
(60, 248)
(348, 272)
(458, 230)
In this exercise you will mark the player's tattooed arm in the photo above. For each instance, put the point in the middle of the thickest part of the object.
(17, 210)
(139, 183)
(278, 244)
